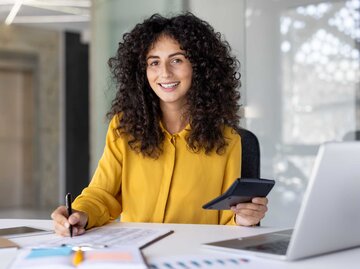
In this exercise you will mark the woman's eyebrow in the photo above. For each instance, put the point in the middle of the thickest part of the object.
(152, 57)
(176, 53)
(170, 55)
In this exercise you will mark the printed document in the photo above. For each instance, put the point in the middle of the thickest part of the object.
(105, 236)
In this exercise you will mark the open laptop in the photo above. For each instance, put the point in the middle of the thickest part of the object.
(329, 218)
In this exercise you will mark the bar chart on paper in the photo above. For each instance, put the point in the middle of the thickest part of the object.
(198, 262)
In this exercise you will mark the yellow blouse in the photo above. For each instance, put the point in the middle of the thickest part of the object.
(170, 189)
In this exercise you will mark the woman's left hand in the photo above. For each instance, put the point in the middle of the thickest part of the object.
(249, 214)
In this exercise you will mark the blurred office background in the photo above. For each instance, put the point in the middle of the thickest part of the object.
(300, 88)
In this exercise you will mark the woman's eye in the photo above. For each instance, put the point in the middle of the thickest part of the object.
(176, 61)
(154, 63)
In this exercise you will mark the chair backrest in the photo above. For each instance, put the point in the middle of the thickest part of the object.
(250, 164)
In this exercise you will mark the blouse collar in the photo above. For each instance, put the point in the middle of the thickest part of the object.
(181, 134)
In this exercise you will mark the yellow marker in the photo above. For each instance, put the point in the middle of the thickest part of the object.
(78, 257)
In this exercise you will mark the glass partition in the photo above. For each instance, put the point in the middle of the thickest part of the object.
(303, 84)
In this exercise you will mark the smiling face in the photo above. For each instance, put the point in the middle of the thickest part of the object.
(168, 71)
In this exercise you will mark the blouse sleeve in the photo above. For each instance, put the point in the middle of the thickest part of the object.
(232, 172)
(101, 199)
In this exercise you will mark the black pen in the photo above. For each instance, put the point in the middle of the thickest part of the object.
(68, 202)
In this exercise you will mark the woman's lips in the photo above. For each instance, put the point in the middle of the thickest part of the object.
(168, 87)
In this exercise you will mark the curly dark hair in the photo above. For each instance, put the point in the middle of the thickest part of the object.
(212, 99)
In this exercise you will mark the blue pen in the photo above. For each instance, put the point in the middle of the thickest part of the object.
(68, 201)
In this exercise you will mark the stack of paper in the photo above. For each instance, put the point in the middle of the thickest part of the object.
(104, 248)
(63, 258)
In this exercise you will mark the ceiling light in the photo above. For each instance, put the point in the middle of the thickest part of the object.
(51, 19)
(15, 9)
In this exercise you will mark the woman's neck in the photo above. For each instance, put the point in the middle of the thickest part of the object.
(173, 119)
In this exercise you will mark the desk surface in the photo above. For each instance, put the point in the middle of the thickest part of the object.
(187, 240)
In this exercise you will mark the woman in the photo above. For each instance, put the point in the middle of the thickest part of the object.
(172, 143)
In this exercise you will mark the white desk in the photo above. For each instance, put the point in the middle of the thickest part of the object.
(187, 240)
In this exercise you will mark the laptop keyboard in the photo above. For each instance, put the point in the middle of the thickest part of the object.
(277, 247)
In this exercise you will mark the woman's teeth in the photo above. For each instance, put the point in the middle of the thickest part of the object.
(169, 85)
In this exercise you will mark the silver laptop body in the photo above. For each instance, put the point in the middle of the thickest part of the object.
(329, 218)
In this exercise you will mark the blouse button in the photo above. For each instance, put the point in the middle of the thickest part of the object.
(173, 140)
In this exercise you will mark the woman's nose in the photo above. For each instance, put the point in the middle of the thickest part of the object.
(166, 71)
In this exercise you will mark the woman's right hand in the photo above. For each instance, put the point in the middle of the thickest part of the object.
(62, 221)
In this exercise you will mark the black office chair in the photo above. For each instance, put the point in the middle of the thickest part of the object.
(250, 161)
(250, 156)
